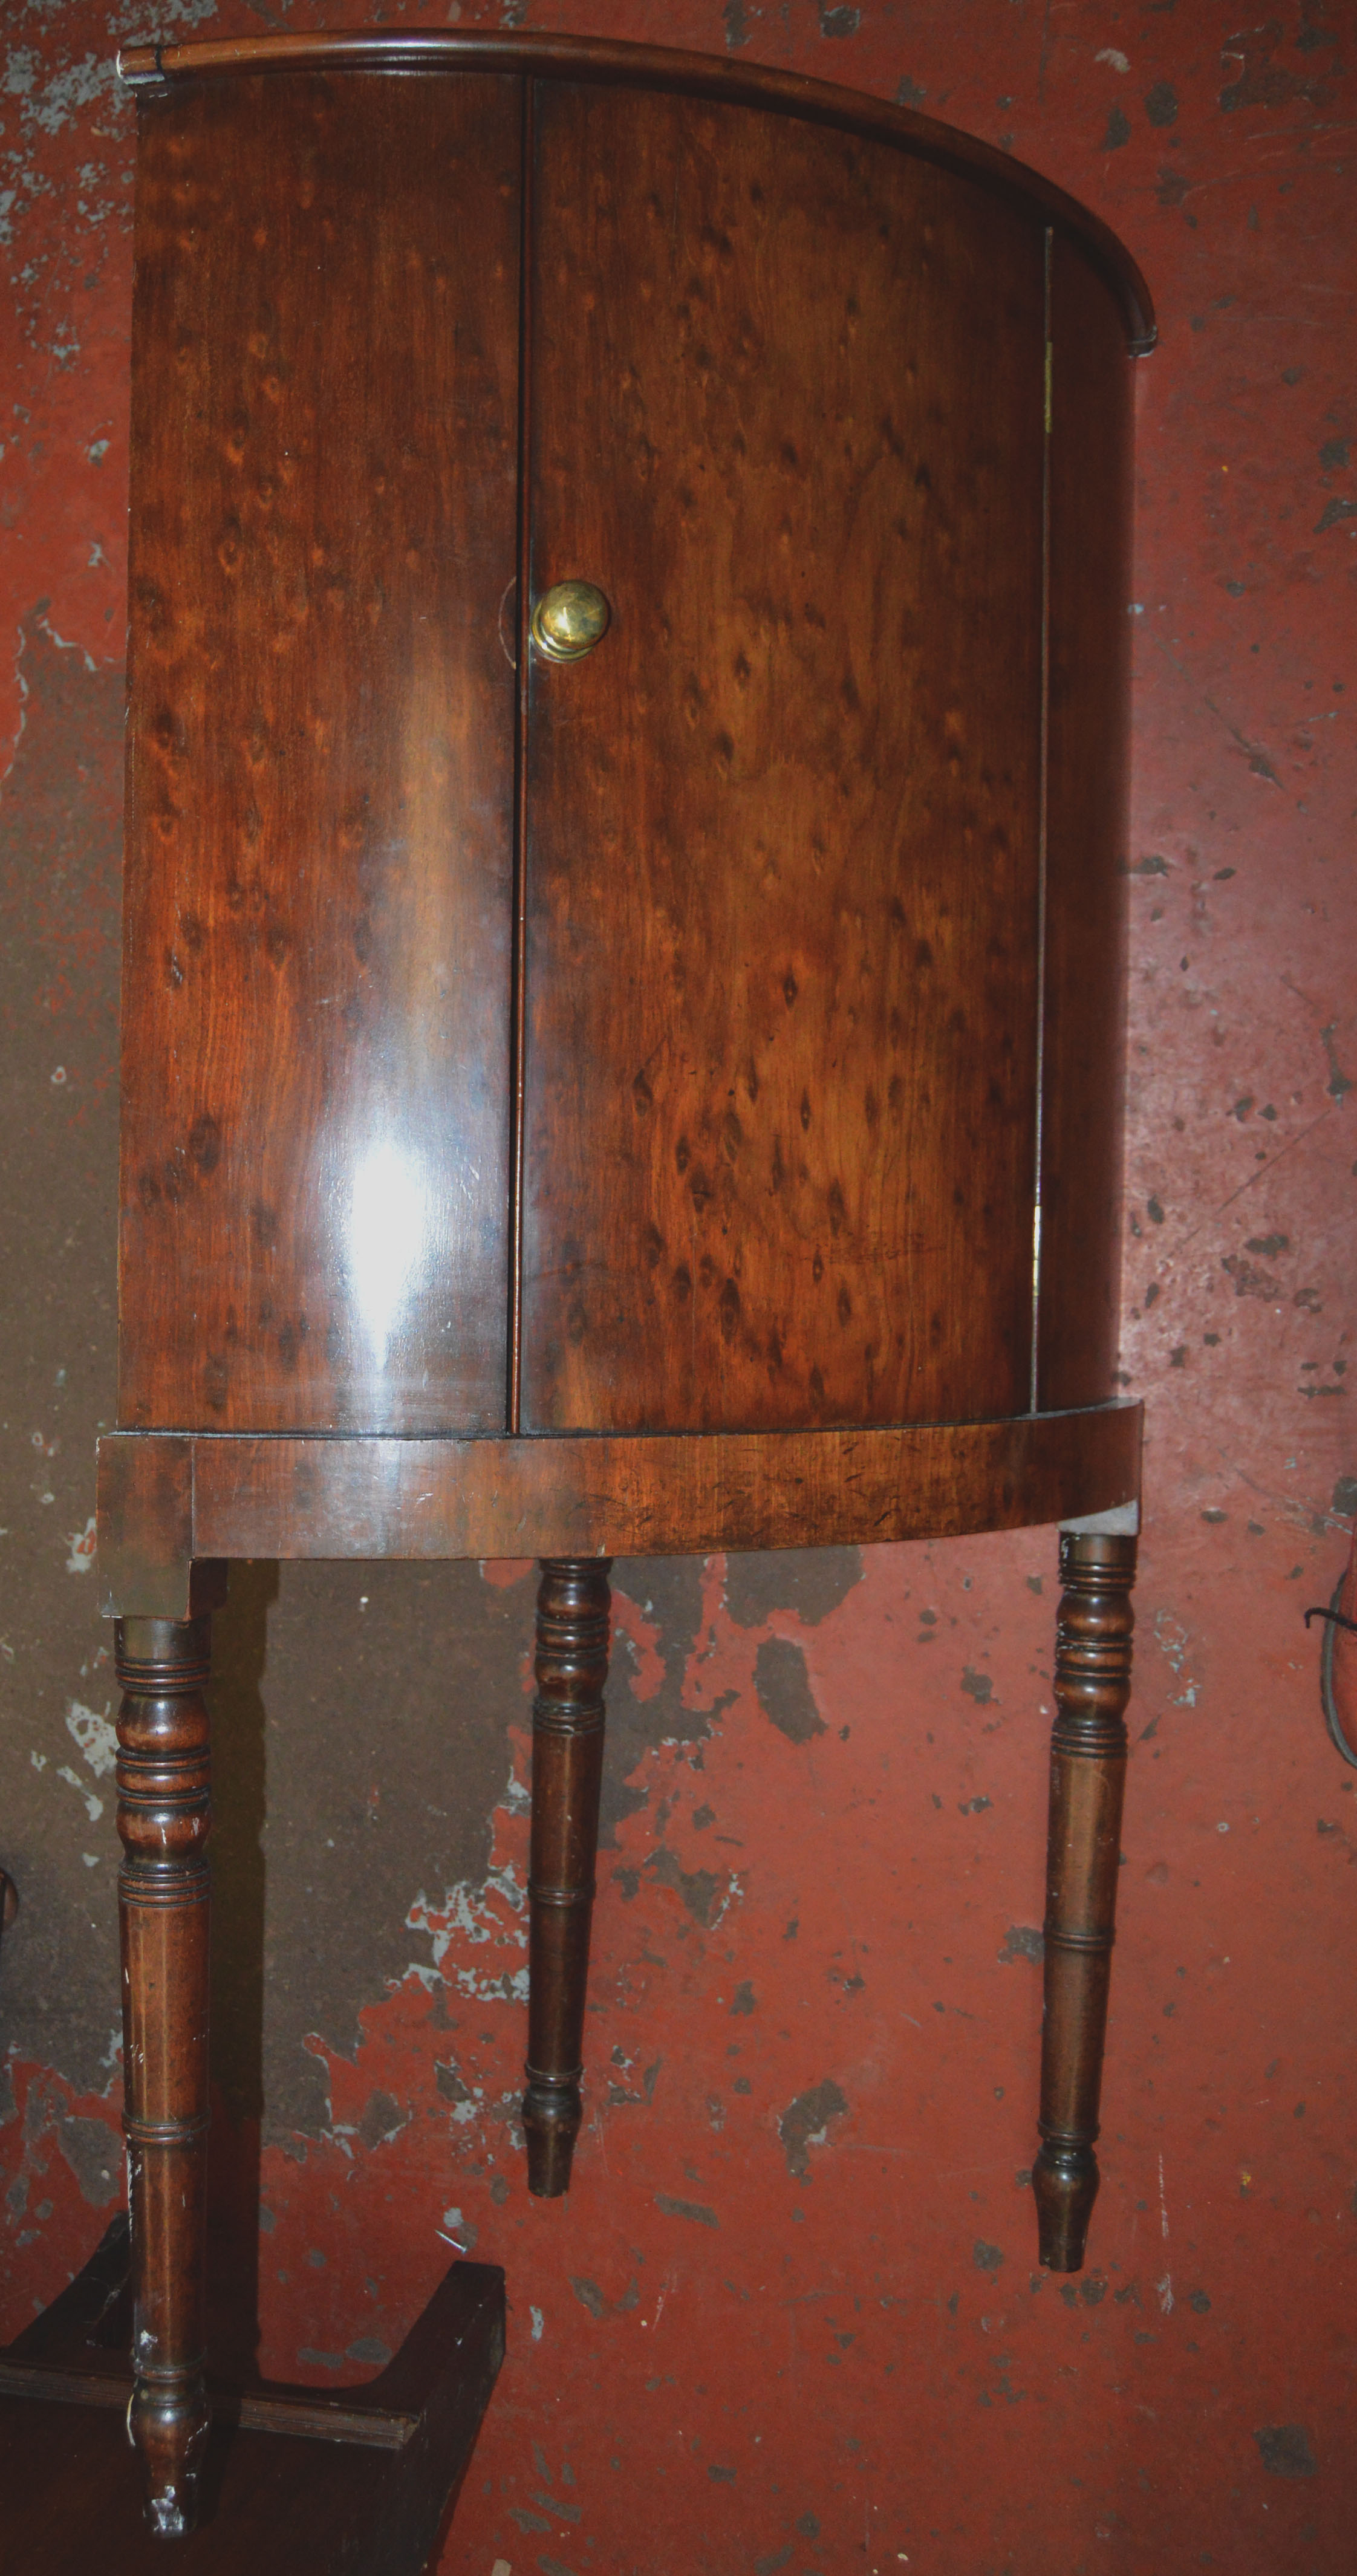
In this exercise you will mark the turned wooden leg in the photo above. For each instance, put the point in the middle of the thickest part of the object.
(1088, 1772)
(163, 1818)
(567, 1766)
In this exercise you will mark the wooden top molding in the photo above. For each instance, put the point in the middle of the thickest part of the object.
(588, 58)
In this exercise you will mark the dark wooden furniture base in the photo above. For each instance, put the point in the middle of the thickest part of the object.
(291, 2479)
(175, 1508)
(168, 1499)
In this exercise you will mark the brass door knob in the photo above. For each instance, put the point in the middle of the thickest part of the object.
(569, 620)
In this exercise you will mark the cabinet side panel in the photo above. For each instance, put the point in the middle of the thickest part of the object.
(1084, 1044)
(786, 401)
(320, 814)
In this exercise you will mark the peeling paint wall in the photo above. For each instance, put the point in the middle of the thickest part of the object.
(789, 2316)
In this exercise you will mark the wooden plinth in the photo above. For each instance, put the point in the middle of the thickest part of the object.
(354, 2479)
(172, 1502)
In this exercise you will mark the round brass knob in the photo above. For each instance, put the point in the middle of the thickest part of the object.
(569, 620)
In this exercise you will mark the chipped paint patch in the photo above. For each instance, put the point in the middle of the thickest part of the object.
(805, 2124)
(96, 1736)
(80, 1557)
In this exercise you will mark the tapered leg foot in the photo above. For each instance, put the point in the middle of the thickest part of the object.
(168, 2429)
(163, 1819)
(567, 1764)
(1088, 1771)
(551, 2121)
(1065, 2186)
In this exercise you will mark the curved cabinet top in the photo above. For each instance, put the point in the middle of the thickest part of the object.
(589, 58)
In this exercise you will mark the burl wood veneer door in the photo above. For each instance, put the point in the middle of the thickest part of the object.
(319, 850)
(782, 846)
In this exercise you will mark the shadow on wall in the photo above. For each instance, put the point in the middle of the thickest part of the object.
(240, 1769)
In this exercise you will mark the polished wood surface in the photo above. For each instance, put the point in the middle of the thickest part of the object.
(1088, 1774)
(667, 1495)
(783, 823)
(346, 2482)
(1089, 626)
(571, 1666)
(316, 987)
(591, 1107)
(164, 1818)
(650, 1041)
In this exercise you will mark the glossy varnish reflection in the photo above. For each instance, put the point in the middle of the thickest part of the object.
(316, 994)
(782, 825)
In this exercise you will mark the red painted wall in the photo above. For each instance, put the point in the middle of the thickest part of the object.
(789, 2316)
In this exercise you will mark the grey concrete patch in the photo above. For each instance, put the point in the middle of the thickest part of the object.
(59, 899)
(94, 2151)
(1285, 2451)
(668, 1592)
(812, 1581)
(804, 2122)
(785, 1694)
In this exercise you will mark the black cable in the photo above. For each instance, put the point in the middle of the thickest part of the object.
(1333, 1619)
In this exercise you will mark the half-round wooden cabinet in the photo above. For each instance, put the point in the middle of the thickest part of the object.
(622, 1044)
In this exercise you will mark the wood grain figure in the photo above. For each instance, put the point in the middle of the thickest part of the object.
(782, 1013)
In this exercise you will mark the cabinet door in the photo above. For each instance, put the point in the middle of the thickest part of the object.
(319, 850)
(782, 824)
